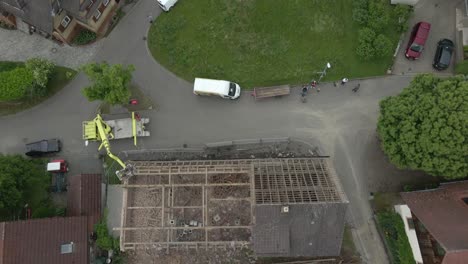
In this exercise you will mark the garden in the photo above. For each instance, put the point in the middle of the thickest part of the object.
(27, 84)
(268, 42)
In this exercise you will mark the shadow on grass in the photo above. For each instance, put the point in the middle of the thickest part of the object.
(58, 80)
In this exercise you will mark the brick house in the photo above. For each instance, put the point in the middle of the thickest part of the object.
(60, 20)
(440, 219)
(58, 239)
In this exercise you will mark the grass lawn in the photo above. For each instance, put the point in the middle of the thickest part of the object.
(262, 42)
(57, 81)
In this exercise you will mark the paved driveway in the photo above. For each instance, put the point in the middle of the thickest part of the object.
(441, 15)
(19, 46)
(340, 122)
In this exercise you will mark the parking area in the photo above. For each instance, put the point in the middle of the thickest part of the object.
(441, 15)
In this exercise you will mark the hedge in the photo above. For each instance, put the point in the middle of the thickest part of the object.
(394, 233)
(15, 83)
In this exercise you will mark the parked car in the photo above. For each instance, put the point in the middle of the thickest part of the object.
(443, 54)
(43, 147)
(417, 40)
(224, 89)
(166, 5)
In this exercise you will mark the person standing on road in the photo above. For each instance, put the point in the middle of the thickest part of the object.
(150, 18)
(344, 81)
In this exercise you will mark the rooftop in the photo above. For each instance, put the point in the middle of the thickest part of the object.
(211, 203)
(444, 213)
(84, 197)
(41, 241)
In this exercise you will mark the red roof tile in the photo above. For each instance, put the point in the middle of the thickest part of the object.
(443, 213)
(456, 257)
(38, 241)
(84, 197)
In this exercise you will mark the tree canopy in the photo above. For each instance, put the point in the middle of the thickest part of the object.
(41, 70)
(110, 83)
(22, 181)
(426, 126)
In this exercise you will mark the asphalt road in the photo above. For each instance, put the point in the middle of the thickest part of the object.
(340, 122)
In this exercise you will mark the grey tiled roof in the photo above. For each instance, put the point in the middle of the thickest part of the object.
(34, 12)
(314, 230)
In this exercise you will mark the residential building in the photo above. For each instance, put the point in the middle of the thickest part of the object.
(439, 217)
(278, 207)
(84, 197)
(60, 20)
(45, 241)
(59, 239)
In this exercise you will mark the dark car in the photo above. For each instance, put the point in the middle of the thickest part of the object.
(417, 40)
(443, 54)
(43, 147)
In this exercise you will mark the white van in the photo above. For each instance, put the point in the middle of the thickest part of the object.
(224, 89)
(166, 4)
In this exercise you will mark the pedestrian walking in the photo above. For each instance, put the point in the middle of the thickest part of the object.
(356, 88)
(150, 19)
(344, 81)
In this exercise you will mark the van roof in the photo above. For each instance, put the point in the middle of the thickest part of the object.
(211, 86)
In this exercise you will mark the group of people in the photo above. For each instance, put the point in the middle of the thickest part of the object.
(313, 84)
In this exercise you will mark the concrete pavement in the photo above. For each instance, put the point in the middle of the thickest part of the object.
(19, 46)
(342, 122)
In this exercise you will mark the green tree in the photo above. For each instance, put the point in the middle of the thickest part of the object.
(382, 46)
(41, 70)
(15, 83)
(22, 181)
(365, 49)
(425, 127)
(110, 83)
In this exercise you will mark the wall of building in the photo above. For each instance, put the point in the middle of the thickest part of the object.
(405, 213)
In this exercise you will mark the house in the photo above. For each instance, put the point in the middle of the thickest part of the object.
(45, 241)
(279, 207)
(84, 197)
(439, 218)
(60, 20)
(58, 239)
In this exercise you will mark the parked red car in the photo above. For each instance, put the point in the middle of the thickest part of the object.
(417, 40)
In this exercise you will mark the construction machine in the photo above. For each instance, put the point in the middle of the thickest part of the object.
(104, 131)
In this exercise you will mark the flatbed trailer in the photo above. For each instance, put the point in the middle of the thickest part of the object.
(272, 91)
(132, 127)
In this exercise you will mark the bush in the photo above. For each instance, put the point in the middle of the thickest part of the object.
(15, 83)
(378, 15)
(365, 49)
(401, 14)
(41, 70)
(84, 37)
(462, 67)
(395, 236)
(106, 242)
(382, 46)
(361, 11)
